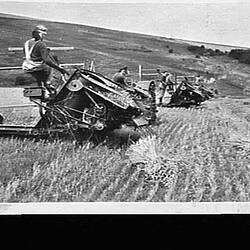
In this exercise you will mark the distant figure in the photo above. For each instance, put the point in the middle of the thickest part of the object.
(159, 76)
(38, 61)
(153, 107)
(120, 76)
(166, 80)
(158, 72)
(212, 81)
(198, 80)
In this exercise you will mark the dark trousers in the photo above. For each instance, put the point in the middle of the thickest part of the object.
(42, 76)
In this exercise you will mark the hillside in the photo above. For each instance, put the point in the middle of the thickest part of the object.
(196, 154)
(112, 49)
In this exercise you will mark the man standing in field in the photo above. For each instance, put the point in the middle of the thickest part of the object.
(37, 61)
(166, 80)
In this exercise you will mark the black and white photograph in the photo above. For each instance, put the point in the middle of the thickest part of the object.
(114, 106)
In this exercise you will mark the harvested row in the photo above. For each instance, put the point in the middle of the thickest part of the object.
(191, 157)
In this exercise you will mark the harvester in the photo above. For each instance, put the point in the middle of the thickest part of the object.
(187, 95)
(183, 92)
(87, 105)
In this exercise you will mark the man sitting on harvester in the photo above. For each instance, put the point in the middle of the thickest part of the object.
(120, 76)
(38, 61)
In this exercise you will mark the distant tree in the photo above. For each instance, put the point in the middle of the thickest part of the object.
(211, 52)
(219, 52)
(202, 51)
(236, 53)
(243, 56)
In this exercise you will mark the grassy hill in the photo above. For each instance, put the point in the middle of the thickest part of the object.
(196, 154)
(112, 49)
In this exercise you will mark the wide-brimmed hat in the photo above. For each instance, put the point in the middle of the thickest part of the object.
(41, 29)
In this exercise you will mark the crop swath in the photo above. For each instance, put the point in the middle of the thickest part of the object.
(195, 149)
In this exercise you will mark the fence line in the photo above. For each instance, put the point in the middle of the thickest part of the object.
(153, 72)
(141, 74)
(13, 49)
(84, 65)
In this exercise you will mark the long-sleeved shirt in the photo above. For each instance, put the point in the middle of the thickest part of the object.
(40, 53)
(165, 80)
(119, 78)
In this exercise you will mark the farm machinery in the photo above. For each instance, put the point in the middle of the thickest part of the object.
(87, 105)
(187, 95)
(184, 92)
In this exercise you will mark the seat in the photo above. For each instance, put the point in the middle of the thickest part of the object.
(25, 79)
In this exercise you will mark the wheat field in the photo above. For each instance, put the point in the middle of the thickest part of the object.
(198, 154)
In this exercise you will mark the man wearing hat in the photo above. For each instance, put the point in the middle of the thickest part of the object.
(120, 76)
(37, 61)
(164, 82)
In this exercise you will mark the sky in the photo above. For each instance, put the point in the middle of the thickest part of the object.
(226, 25)
(131, 1)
